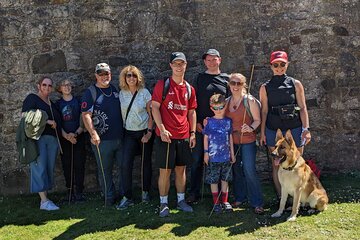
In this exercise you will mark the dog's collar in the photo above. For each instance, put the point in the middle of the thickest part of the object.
(292, 167)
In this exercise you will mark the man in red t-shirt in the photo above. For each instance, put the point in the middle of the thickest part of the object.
(175, 119)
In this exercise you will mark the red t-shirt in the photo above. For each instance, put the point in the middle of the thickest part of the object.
(174, 109)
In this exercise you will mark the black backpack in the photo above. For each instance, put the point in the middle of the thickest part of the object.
(167, 87)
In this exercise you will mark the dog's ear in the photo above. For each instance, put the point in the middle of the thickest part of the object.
(279, 135)
(288, 136)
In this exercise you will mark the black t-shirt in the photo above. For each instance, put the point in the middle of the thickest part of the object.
(70, 113)
(33, 101)
(205, 86)
(280, 91)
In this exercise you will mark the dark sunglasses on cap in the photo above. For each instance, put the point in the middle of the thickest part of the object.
(218, 108)
(276, 65)
(235, 83)
(129, 75)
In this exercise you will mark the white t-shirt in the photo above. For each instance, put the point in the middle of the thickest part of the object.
(138, 116)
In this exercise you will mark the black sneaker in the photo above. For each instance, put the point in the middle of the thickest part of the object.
(217, 208)
(164, 210)
(192, 199)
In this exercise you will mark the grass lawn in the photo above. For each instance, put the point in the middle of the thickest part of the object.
(20, 218)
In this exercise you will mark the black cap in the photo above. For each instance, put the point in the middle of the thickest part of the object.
(177, 56)
(212, 52)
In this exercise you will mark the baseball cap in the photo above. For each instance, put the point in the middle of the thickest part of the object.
(102, 67)
(177, 56)
(278, 56)
(212, 52)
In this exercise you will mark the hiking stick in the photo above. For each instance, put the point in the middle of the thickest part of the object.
(203, 183)
(142, 167)
(57, 135)
(71, 172)
(102, 170)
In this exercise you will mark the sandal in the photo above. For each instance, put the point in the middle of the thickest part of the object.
(259, 210)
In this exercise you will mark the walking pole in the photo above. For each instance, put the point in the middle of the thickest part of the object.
(203, 183)
(142, 168)
(57, 135)
(102, 170)
(71, 172)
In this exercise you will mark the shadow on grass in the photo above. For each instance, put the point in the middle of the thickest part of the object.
(93, 217)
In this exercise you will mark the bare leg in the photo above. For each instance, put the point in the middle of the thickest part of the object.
(43, 196)
(180, 178)
(164, 181)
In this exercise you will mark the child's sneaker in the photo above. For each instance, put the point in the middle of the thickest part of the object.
(227, 207)
(217, 208)
(48, 206)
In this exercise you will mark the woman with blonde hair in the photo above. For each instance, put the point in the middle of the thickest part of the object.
(244, 111)
(135, 102)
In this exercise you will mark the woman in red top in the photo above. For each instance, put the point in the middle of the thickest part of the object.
(246, 183)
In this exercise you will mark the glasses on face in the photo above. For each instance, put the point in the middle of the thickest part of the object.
(235, 83)
(276, 65)
(129, 75)
(103, 74)
(218, 108)
(46, 85)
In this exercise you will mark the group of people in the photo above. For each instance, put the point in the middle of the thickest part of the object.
(208, 123)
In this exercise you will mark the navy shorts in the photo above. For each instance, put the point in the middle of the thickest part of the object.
(271, 135)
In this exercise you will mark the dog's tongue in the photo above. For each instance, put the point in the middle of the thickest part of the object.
(277, 161)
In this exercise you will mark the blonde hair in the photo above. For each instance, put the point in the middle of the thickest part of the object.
(242, 79)
(58, 87)
(134, 70)
(217, 99)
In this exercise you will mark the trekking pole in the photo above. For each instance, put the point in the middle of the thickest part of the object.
(103, 173)
(71, 172)
(142, 167)
(57, 135)
(203, 183)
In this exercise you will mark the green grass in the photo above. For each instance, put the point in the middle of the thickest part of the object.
(20, 218)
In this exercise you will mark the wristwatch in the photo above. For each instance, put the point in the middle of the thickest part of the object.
(305, 129)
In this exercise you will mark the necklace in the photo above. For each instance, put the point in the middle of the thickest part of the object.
(236, 105)
(106, 95)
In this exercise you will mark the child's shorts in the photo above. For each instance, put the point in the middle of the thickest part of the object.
(218, 170)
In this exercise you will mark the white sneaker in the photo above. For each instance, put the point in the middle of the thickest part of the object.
(48, 206)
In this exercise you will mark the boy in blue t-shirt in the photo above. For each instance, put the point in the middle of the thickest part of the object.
(218, 152)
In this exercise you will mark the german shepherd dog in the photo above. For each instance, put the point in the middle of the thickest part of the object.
(296, 178)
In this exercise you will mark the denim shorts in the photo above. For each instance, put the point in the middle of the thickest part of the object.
(271, 136)
(216, 171)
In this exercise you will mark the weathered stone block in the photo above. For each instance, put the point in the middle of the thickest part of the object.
(49, 62)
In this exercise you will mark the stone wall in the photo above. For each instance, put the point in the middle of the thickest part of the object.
(66, 38)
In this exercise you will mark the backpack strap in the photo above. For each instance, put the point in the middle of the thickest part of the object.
(167, 87)
(247, 106)
(92, 90)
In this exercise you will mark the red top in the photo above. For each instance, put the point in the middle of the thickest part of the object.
(237, 120)
(175, 108)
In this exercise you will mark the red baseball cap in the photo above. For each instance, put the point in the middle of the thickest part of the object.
(278, 56)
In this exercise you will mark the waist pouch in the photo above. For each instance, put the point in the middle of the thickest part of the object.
(286, 112)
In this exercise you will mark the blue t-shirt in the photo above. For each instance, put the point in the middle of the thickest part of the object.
(218, 132)
(70, 114)
(106, 113)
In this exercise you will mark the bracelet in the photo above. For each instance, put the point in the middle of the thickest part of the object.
(206, 150)
(252, 127)
(192, 132)
(305, 129)
(149, 130)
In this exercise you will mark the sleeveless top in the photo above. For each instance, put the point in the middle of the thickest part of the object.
(237, 120)
(280, 91)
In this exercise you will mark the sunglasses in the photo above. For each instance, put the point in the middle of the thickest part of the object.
(129, 75)
(46, 85)
(218, 108)
(234, 83)
(103, 74)
(276, 65)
